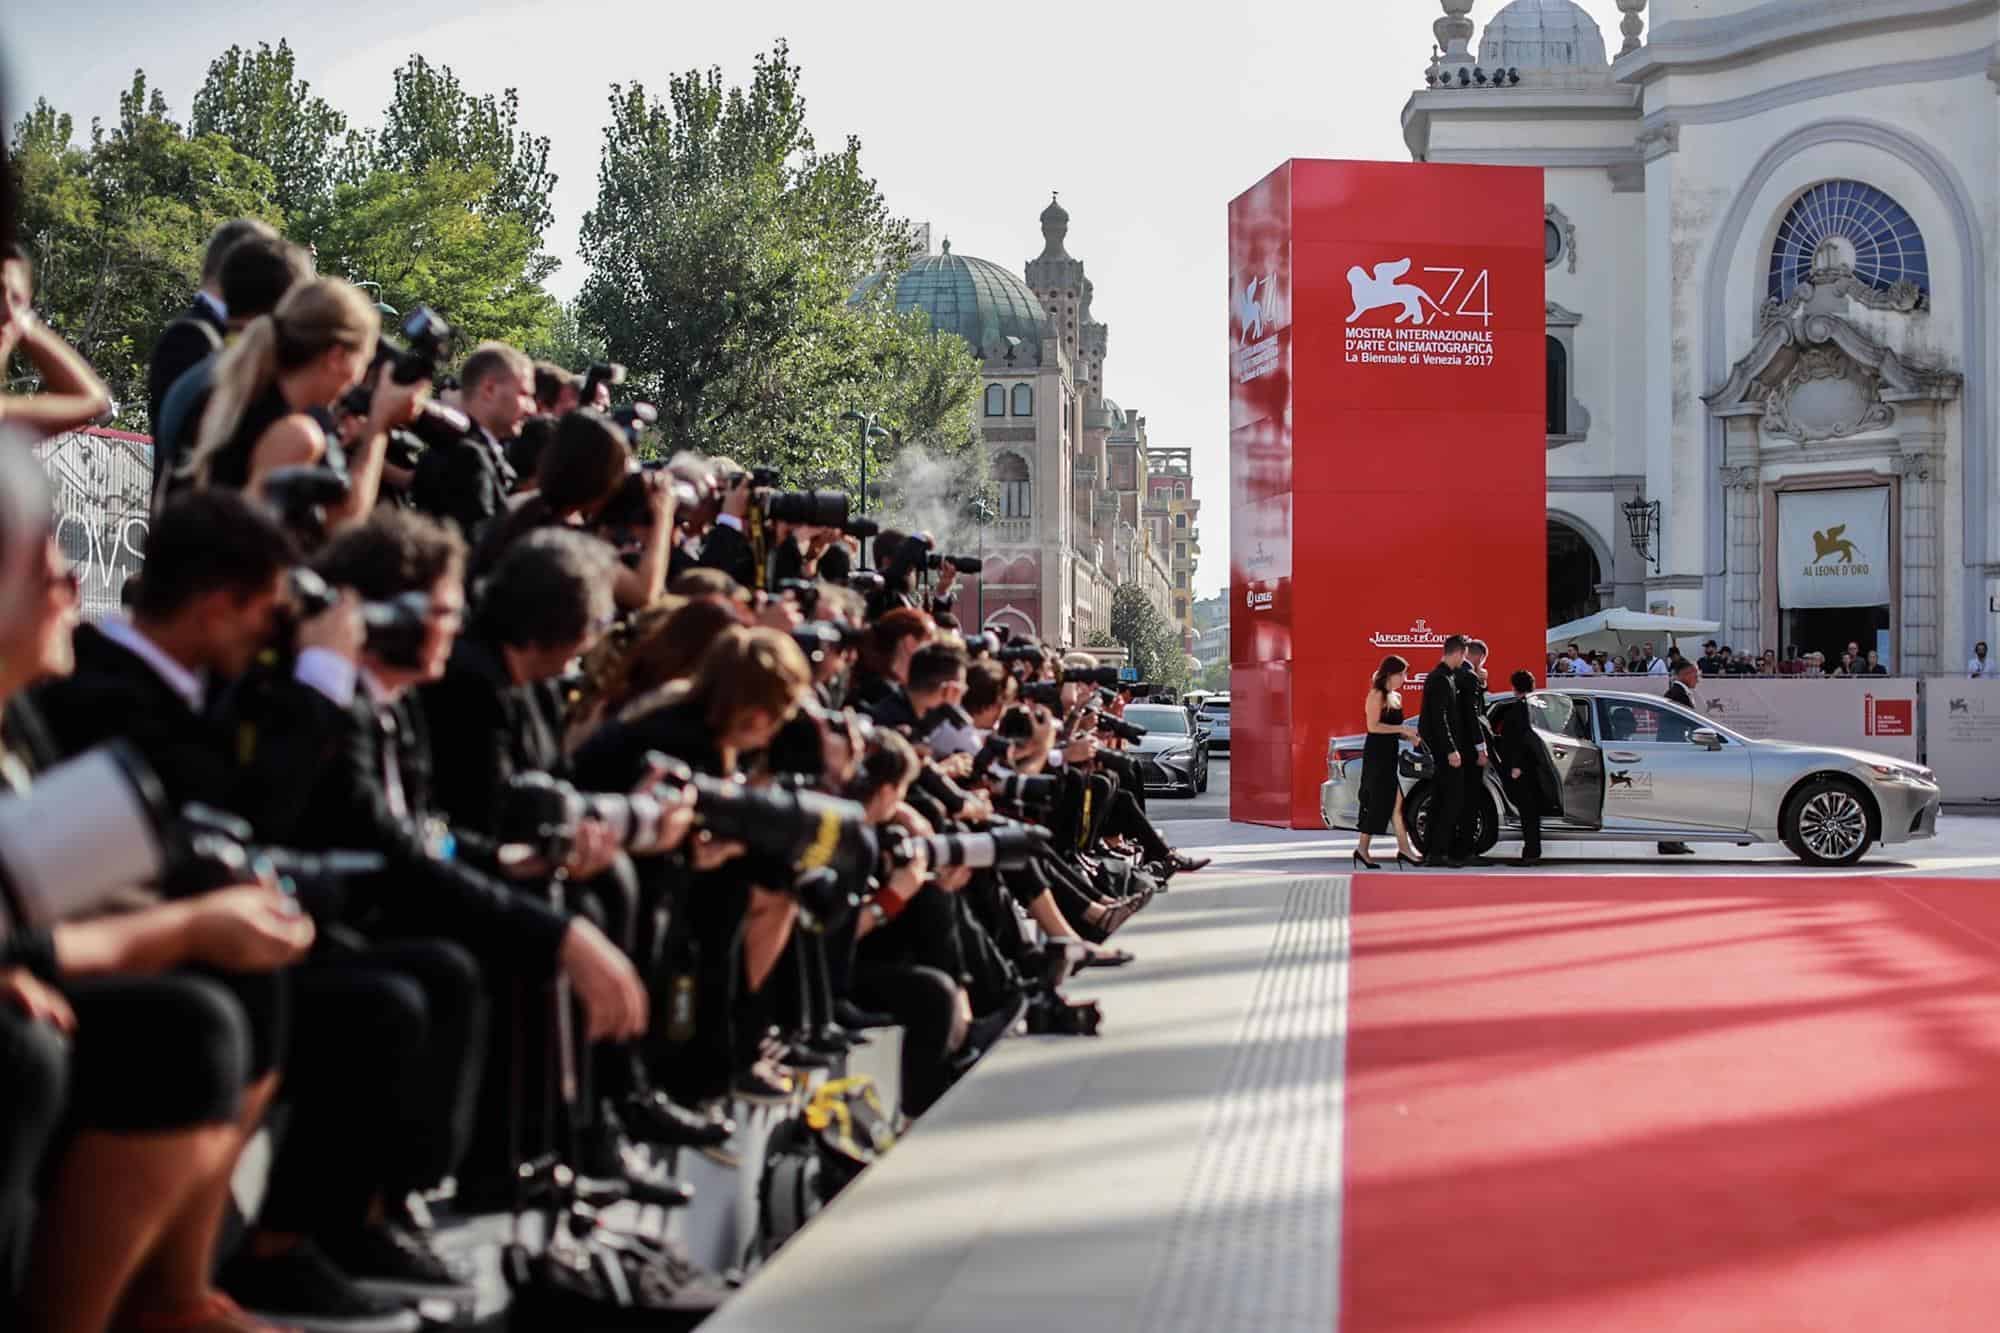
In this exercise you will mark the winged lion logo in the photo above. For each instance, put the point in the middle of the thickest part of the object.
(1374, 291)
(1831, 542)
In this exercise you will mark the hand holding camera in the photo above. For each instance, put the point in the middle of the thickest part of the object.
(339, 629)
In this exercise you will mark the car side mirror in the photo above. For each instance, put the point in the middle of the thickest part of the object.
(1706, 738)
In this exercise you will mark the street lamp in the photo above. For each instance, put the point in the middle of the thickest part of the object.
(981, 511)
(388, 312)
(870, 432)
(1643, 521)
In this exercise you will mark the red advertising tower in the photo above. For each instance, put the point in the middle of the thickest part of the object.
(1387, 382)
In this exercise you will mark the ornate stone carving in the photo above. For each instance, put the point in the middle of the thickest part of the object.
(1915, 466)
(1561, 220)
(1828, 290)
(1454, 31)
(1631, 25)
(1740, 478)
(1815, 377)
(1660, 139)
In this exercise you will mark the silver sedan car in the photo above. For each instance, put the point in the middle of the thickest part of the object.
(1635, 768)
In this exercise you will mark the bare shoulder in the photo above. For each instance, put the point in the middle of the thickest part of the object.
(293, 440)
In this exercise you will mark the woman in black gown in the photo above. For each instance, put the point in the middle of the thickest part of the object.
(1381, 793)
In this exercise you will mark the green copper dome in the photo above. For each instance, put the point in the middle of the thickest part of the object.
(979, 301)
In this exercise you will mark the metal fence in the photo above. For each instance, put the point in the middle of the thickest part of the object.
(101, 482)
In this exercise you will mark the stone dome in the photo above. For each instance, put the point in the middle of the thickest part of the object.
(1542, 34)
(974, 298)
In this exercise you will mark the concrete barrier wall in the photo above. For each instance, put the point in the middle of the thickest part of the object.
(1962, 736)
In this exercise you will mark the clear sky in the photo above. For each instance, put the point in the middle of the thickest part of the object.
(1147, 117)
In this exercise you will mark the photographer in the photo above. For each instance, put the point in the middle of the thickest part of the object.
(71, 395)
(256, 274)
(466, 481)
(727, 546)
(298, 360)
(155, 1075)
(893, 639)
(557, 391)
(580, 471)
(905, 561)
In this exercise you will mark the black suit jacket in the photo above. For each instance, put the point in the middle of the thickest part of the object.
(728, 550)
(484, 729)
(419, 893)
(1438, 723)
(253, 752)
(1469, 725)
(184, 342)
(463, 483)
(1677, 693)
(1518, 747)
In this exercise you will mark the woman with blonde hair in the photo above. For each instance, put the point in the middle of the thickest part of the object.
(304, 355)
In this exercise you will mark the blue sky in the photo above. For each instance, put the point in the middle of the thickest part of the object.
(1147, 118)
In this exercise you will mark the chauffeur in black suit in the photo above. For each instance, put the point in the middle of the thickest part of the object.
(1530, 782)
(1687, 675)
(1471, 731)
(1439, 726)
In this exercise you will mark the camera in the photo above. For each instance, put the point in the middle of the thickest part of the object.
(816, 638)
(434, 427)
(425, 346)
(214, 850)
(635, 419)
(803, 830)
(1007, 848)
(301, 495)
(817, 509)
(1029, 791)
(396, 629)
(1104, 676)
(601, 372)
(1119, 727)
(803, 592)
(1044, 692)
(1020, 650)
(863, 528)
(866, 582)
(964, 564)
(1052, 1016)
(544, 812)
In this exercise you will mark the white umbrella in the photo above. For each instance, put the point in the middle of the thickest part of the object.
(1618, 629)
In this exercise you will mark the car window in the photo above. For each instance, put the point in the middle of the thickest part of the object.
(1215, 709)
(1643, 723)
(1560, 714)
(1173, 721)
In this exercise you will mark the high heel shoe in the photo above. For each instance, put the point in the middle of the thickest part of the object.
(1404, 860)
(1363, 863)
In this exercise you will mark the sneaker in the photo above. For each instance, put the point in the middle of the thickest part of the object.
(304, 1289)
(390, 1259)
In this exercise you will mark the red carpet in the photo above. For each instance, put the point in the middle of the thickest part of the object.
(1661, 1104)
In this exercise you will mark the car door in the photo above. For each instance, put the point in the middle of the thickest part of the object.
(1656, 776)
(1562, 726)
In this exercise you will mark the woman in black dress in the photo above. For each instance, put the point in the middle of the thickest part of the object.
(1381, 793)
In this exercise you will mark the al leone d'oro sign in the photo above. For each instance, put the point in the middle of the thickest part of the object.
(1833, 547)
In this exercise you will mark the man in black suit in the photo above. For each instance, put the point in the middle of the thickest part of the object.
(467, 481)
(1438, 726)
(1470, 728)
(199, 331)
(1530, 783)
(1682, 690)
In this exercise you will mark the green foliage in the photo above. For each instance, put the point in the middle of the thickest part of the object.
(252, 99)
(723, 252)
(1216, 678)
(432, 121)
(1153, 640)
(570, 342)
(1100, 639)
(423, 238)
(117, 228)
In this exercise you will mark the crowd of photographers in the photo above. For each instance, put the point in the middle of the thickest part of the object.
(486, 814)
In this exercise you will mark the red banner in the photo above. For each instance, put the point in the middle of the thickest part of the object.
(1387, 446)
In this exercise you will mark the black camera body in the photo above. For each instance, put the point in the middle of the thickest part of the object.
(816, 509)
(1019, 650)
(1119, 727)
(301, 496)
(396, 629)
(425, 346)
(1102, 676)
(1044, 692)
(635, 419)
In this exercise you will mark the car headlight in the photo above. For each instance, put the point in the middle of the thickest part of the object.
(1901, 773)
(1176, 755)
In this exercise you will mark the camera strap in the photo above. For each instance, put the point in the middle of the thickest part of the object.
(754, 517)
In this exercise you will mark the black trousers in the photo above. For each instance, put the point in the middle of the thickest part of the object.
(1527, 798)
(1125, 819)
(922, 1000)
(1447, 807)
(1465, 834)
(34, 1074)
(382, 1078)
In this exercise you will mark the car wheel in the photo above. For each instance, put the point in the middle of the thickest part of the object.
(1417, 818)
(1201, 785)
(1826, 822)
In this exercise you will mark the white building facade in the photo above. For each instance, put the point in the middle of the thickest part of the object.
(1770, 308)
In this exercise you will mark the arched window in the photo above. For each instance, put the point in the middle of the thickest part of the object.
(1180, 490)
(1558, 373)
(1024, 401)
(1017, 491)
(996, 401)
(1846, 224)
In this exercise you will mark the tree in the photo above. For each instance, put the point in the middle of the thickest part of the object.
(423, 238)
(252, 99)
(1152, 641)
(570, 342)
(1216, 677)
(117, 229)
(725, 250)
(432, 121)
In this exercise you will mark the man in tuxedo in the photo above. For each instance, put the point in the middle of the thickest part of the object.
(467, 481)
(727, 546)
(1438, 726)
(199, 330)
(1470, 728)
(1530, 783)
(1683, 689)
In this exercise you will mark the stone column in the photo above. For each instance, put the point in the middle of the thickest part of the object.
(1916, 646)
(1743, 535)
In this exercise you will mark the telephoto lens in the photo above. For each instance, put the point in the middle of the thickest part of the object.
(818, 509)
(804, 830)
(1029, 792)
(1107, 676)
(1123, 730)
(1003, 849)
